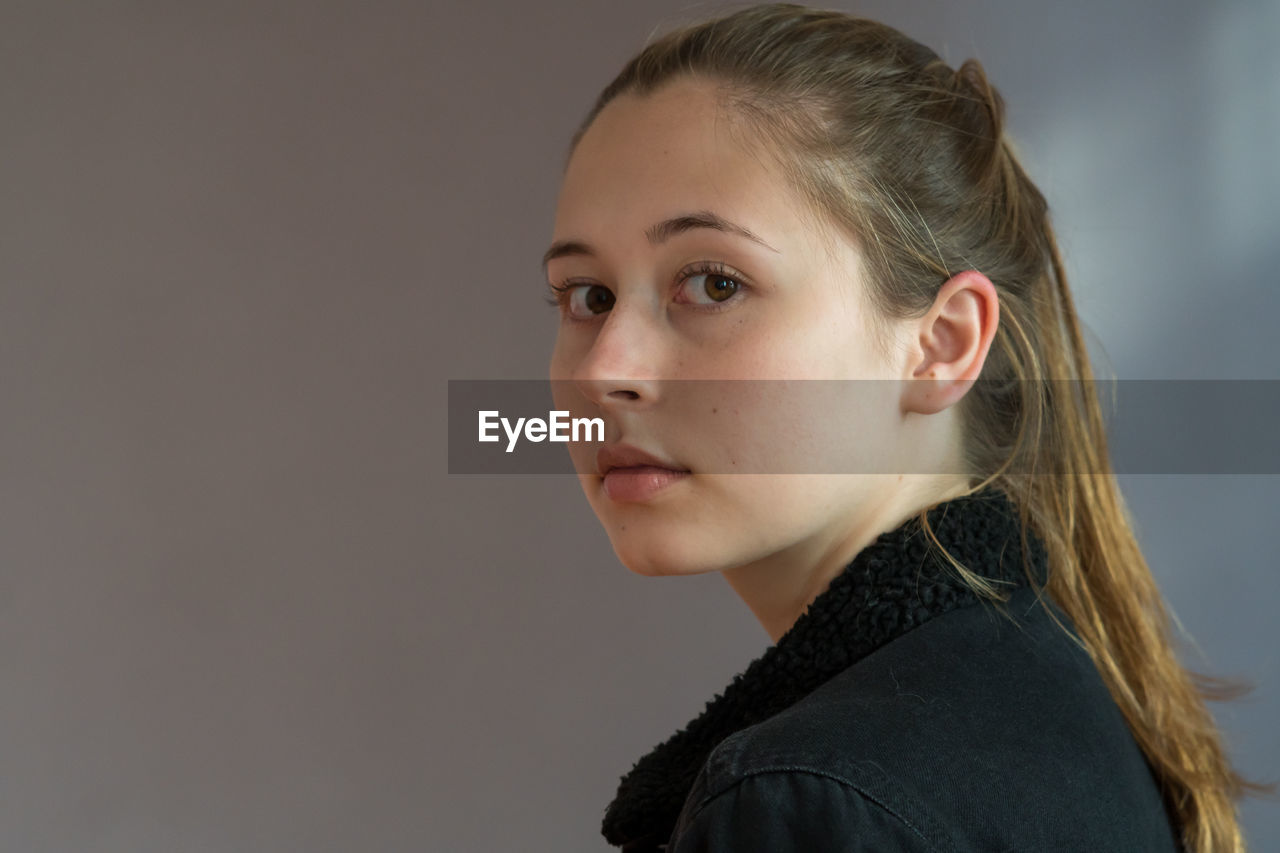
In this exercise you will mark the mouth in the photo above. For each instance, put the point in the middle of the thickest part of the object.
(635, 483)
(629, 474)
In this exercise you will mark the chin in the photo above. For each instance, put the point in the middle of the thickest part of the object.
(654, 554)
(645, 569)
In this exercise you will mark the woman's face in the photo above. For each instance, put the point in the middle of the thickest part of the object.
(643, 310)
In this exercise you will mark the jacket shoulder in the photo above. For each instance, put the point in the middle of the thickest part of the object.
(968, 732)
(795, 810)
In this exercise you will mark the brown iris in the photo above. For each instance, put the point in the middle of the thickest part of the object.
(720, 287)
(599, 299)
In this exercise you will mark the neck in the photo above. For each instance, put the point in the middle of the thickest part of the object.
(779, 587)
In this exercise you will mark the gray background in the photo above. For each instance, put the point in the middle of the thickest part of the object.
(243, 245)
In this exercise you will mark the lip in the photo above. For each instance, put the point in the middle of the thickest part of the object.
(629, 474)
(629, 456)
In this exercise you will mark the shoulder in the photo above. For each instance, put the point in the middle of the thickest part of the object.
(793, 808)
(969, 732)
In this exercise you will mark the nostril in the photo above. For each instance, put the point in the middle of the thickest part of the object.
(627, 394)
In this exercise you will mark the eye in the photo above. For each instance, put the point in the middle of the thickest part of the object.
(582, 301)
(709, 284)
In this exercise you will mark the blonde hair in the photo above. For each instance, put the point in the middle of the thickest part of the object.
(910, 159)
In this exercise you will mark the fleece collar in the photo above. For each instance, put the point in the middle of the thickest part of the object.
(891, 586)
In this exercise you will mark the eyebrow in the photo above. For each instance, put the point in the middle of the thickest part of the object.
(660, 233)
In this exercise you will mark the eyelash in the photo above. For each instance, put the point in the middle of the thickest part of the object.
(560, 293)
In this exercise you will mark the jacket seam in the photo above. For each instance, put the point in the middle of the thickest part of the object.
(789, 768)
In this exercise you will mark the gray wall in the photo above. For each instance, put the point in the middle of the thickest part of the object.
(243, 245)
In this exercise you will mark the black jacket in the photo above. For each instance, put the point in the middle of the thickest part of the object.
(903, 713)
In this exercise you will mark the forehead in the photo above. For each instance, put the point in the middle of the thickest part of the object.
(645, 158)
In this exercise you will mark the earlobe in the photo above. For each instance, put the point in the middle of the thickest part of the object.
(929, 395)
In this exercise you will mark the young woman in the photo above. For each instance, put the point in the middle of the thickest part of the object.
(970, 652)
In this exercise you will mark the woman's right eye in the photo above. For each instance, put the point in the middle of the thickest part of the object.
(583, 301)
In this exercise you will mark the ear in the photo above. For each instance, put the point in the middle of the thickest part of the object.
(950, 343)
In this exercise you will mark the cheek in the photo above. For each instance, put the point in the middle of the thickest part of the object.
(822, 337)
(764, 438)
(563, 358)
(790, 426)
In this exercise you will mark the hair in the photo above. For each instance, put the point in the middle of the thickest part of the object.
(909, 159)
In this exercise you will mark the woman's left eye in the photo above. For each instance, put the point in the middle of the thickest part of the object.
(710, 285)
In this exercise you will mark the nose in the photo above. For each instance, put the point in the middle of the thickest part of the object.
(620, 367)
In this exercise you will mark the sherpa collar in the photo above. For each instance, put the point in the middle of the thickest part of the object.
(885, 591)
